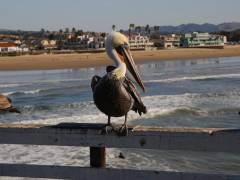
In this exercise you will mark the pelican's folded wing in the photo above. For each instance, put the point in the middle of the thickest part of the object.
(138, 105)
(95, 81)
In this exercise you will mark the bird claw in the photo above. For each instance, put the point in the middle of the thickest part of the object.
(108, 129)
(123, 130)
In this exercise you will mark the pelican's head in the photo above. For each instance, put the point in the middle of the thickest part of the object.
(117, 47)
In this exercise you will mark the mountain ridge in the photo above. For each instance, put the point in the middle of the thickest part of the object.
(206, 27)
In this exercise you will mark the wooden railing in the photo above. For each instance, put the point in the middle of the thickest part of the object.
(91, 135)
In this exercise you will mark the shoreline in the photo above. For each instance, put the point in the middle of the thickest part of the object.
(85, 60)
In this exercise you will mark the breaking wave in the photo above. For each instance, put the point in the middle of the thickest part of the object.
(195, 78)
(158, 106)
(9, 85)
(22, 92)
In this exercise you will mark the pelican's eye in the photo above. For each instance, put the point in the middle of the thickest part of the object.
(126, 46)
(119, 50)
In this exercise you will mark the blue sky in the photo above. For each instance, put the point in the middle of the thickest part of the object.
(99, 15)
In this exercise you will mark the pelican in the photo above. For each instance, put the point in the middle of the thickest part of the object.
(115, 94)
(6, 105)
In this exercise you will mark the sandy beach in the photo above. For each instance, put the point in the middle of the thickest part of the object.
(64, 61)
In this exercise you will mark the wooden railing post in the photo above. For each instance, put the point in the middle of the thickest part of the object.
(98, 157)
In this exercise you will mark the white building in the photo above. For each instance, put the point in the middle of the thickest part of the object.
(85, 42)
(170, 41)
(205, 40)
(8, 47)
(49, 44)
(139, 42)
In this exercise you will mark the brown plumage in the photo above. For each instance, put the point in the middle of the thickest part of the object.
(120, 95)
(114, 94)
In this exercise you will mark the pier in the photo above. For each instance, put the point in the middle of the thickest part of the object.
(92, 136)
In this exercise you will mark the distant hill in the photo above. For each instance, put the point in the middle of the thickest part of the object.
(229, 26)
(185, 28)
(4, 30)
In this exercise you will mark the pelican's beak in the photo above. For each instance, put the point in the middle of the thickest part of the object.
(131, 65)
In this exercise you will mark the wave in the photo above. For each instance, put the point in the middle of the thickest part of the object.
(195, 78)
(36, 91)
(9, 85)
(56, 107)
(63, 80)
(22, 92)
(86, 112)
(98, 117)
(197, 105)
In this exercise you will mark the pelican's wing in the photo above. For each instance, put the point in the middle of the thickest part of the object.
(5, 102)
(138, 105)
(95, 81)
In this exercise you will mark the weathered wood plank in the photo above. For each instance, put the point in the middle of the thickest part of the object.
(98, 157)
(85, 173)
(90, 135)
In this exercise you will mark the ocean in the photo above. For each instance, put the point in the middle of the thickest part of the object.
(182, 93)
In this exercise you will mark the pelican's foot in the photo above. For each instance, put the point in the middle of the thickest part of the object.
(109, 128)
(123, 130)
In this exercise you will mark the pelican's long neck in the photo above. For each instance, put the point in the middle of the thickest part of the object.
(120, 71)
(121, 68)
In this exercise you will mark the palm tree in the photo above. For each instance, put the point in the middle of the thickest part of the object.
(147, 29)
(103, 35)
(73, 30)
(113, 27)
(80, 32)
(60, 31)
(42, 30)
(131, 27)
(66, 30)
(138, 29)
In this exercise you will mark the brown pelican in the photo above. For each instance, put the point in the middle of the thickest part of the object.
(114, 94)
(6, 105)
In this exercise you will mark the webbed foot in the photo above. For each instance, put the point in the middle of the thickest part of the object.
(108, 129)
(123, 130)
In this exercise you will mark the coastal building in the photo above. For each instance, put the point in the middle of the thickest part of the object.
(85, 42)
(169, 41)
(225, 39)
(11, 47)
(198, 40)
(8, 47)
(48, 44)
(138, 42)
(79, 42)
(97, 43)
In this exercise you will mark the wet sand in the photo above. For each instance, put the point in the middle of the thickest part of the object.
(66, 61)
